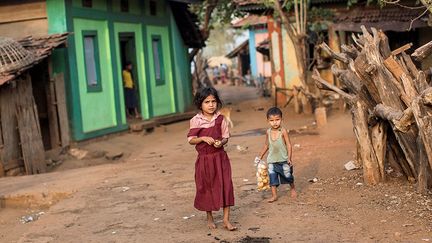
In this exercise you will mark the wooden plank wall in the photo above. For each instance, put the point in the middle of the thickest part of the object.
(10, 153)
(29, 129)
(27, 16)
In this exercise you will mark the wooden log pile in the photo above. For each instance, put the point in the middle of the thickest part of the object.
(391, 106)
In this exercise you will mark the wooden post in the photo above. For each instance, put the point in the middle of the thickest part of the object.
(321, 117)
(62, 110)
(52, 113)
(29, 129)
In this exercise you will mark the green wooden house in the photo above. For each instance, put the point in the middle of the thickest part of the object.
(153, 35)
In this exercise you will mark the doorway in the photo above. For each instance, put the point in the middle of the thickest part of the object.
(128, 54)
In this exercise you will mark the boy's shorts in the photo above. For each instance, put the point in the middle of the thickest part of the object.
(280, 173)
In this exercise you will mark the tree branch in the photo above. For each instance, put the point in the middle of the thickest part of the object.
(317, 77)
(338, 56)
(423, 51)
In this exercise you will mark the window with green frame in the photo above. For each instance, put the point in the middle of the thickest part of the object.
(158, 59)
(91, 61)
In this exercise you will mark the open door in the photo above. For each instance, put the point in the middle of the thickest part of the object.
(128, 54)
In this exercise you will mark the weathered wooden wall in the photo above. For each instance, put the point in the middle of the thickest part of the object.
(27, 16)
(21, 146)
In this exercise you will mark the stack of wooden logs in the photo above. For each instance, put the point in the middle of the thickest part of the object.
(391, 105)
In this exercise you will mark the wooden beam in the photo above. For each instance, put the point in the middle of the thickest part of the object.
(401, 49)
(62, 110)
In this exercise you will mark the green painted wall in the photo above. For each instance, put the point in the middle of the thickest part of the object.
(182, 73)
(97, 4)
(97, 108)
(93, 114)
(163, 98)
(56, 11)
(140, 67)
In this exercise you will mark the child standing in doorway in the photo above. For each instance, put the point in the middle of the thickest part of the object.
(209, 132)
(279, 157)
(129, 92)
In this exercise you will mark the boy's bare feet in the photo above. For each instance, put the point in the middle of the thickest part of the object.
(229, 226)
(272, 199)
(293, 194)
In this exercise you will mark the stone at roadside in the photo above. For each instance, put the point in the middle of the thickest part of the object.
(85, 154)
(137, 127)
(241, 149)
(113, 155)
(78, 153)
(350, 165)
(31, 217)
(14, 172)
(95, 154)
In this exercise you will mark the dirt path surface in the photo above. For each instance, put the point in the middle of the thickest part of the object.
(147, 196)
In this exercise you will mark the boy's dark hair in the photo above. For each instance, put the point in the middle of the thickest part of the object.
(274, 111)
(205, 92)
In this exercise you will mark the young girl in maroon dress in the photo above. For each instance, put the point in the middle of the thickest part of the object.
(209, 132)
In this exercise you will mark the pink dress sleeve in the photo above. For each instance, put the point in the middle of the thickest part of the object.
(225, 129)
(193, 129)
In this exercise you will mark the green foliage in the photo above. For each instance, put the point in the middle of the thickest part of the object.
(319, 18)
(224, 12)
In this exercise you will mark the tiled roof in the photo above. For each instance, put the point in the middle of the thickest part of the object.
(250, 20)
(256, 6)
(395, 19)
(247, 2)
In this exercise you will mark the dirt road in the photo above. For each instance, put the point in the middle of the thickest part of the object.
(148, 195)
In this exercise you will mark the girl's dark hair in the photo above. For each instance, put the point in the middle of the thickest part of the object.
(205, 92)
(274, 111)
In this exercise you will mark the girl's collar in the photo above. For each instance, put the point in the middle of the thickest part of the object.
(215, 115)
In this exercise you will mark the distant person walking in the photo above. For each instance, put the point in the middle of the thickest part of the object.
(130, 92)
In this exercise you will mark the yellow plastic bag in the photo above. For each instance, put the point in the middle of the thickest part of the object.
(263, 180)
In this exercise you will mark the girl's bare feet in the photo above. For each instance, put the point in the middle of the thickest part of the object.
(227, 225)
(211, 225)
(272, 199)
(210, 221)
